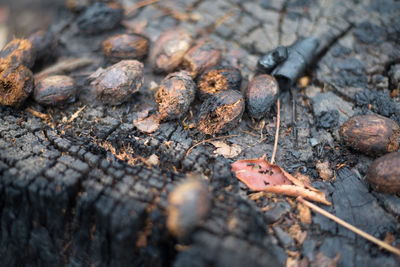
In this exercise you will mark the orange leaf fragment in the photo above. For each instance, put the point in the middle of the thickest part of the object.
(260, 175)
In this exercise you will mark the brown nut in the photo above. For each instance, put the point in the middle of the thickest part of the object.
(219, 78)
(261, 95)
(119, 82)
(371, 134)
(384, 173)
(200, 57)
(100, 17)
(43, 43)
(175, 94)
(169, 49)
(16, 84)
(221, 112)
(125, 46)
(188, 205)
(18, 52)
(55, 90)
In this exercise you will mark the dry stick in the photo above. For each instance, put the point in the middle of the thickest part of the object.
(76, 114)
(139, 5)
(208, 140)
(38, 114)
(68, 64)
(350, 227)
(278, 122)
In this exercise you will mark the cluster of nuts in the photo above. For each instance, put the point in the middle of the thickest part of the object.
(376, 135)
(190, 66)
(218, 86)
(16, 78)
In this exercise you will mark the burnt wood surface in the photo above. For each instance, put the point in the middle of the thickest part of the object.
(81, 193)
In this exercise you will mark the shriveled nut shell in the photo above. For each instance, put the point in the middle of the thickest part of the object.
(125, 46)
(100, 17)
(18, 52)
(188, 205)
(219, 78)
(119, 82)
(371, 134)
(16, 84)
(200, 57)
(384, 173)
(221, 112)
(169, 49)
(55, 90)
(175, 94)
(43, 44)
(261, 95)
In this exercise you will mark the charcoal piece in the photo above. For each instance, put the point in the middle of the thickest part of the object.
(380, 102)
(328, 119)
(99, 17)
(272, 59)
(300, 55)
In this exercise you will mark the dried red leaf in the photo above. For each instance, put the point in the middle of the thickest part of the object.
(260, 175)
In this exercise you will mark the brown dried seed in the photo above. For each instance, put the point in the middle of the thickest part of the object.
(16, 84)
(43, 43)
(221, 112)
(119, 82)
(219, 78)
(175, 94)
(18, 52)
(169, 49)
(371, 134)
(188, 205)
(200, 57)
(55, 90)
(261, 95)
(125, 46)
(384, 173)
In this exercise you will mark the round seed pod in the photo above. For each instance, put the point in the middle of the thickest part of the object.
(100, 17)
(261, 95)
(119, 82)
(200, 57)
(221, 112)
(43, 43)
(384, 173)
(55, 90)
(175, 94)
(169, 49)
(219, 78)
(16, 84)
(18, 52)
(188, 205)
(125, 46)
(371, 134)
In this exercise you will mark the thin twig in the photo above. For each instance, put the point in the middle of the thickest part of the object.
(278, 122)
(208, 140)
(349, 226)
(38, 114)
(76, 114)
(62, 66)
(140, 5)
